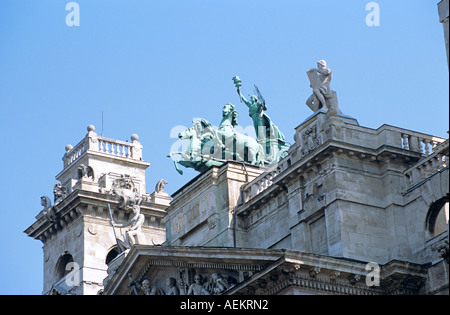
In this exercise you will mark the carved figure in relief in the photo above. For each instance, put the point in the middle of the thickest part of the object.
(148, 290)
(310, 140)
(127, 192)
(172, 285)
(197, 288)
(220, 284)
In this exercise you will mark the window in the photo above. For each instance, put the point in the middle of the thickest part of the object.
(64, 265)
(113, 252)
(437, 217)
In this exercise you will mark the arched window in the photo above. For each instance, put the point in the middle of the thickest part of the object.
(437, 217)
(64, 265)
(112, 253)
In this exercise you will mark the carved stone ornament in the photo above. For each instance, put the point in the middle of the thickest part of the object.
(85, 172)
(59, 192)
(164, 278)
(159, 188)
(442, 249)
(314, 272)
(310, 140)
(148, 290)
(92, 229)
(353, 279)
(125, 189)
(48, 211)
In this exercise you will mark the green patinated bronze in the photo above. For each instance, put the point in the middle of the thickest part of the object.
(209, 147)
(269, 136)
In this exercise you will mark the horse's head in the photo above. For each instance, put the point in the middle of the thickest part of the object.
(187, 134)
(228, 112)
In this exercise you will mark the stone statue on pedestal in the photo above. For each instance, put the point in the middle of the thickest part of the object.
(323, 97)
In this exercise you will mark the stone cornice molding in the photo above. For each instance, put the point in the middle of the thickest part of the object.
(87, 204)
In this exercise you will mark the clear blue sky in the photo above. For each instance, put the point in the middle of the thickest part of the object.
(150, 66)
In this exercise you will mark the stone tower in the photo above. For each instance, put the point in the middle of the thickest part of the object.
(75, 227)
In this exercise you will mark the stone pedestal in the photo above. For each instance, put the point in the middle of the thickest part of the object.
(202, 212)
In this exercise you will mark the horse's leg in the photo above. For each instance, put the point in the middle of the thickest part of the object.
(183, 155)
(252, 155)
(255, 153)
(177, 168)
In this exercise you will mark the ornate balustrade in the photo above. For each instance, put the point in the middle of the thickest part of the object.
(115, 147)
(418, 142)
(433, 163)
(94, 143)
(72, 154)
(259, 184)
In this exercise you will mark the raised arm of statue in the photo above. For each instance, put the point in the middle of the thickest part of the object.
(243, 99)
(238, 83)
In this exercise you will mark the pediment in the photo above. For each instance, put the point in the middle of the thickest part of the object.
(163, 270)
(186, 270)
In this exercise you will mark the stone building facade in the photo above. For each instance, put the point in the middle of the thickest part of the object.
(347, 205)
(354, 200)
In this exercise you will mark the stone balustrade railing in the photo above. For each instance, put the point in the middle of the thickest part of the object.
(433, 163)
(259, 184)
(418, 142)
(72, 154)
(94, 143)
(115, 147)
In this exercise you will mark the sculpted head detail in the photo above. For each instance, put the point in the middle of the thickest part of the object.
(321, 64)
